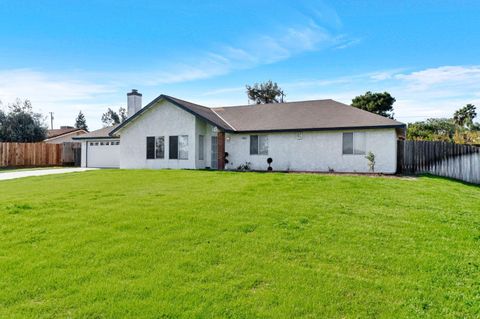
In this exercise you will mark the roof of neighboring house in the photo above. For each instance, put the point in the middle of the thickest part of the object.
(290, 116)
(62, 131)
(98, 134)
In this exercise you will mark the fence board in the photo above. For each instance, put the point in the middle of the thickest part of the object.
(30, 154)
(440, 158)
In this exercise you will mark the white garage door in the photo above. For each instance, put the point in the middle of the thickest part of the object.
(103, 154)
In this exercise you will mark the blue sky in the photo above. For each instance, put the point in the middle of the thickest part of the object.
(68, 56)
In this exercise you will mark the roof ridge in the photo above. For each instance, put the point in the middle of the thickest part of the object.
(279, 104)
(180, 100)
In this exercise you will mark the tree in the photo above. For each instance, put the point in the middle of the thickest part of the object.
(21, 124)
(264, 93)
(467, 137)
(432, 130)
(110, 118)
(464, 116)
(81, 122)
(122, 114)
(378, 103)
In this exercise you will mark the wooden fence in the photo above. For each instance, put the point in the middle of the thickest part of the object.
(440, 158)
(38, 154)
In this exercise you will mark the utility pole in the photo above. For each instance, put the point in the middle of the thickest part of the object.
(51, 120)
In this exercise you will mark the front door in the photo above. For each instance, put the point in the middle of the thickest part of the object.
(214, 153)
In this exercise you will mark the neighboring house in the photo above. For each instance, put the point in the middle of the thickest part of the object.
(320, 135)
(63, 134)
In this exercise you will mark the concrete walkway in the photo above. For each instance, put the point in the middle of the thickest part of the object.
(41, 172)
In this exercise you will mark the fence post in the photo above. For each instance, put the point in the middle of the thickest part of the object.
(400, 156)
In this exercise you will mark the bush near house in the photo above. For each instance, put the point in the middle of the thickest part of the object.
(199, 244)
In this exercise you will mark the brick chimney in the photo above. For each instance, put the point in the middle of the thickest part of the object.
(134, 102)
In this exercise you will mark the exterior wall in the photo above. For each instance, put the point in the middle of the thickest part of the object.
(315, 151)
(64, 138)
(165, 119)
(207, 130)
(200, 129)
(83, 162)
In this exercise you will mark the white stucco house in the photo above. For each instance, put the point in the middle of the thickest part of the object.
(319, 135)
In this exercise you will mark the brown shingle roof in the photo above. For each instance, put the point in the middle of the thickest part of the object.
(304, 115)
(205, 112)
(61, 131)
(291, 116)
(101, 133)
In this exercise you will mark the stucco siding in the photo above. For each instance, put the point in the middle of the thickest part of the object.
(165, 119)
(200, 129)
(83, 162)
(315, 151)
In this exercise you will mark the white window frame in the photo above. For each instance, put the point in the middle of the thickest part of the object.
(182, 154)
(259, 150)
(359, 143)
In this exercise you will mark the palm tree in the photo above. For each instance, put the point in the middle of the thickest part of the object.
(465, 115)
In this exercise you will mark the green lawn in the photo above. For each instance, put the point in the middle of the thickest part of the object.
(199, 244)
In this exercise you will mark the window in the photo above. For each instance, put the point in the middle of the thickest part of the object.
(173, 147)
(150, 147)
(160, 147)
(201, 147)
(183, 147)
(178, 147)
(354, 143)
(258, 145)
(91, 143)
(155, 147)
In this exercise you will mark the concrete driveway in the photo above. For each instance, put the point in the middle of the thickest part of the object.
(41, 172)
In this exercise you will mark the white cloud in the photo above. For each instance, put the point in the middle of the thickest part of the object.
(348, 44)
(444, 75)
(25, 83)
(63, 94)
(259, 49)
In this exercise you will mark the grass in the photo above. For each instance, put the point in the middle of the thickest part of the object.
(197, 244)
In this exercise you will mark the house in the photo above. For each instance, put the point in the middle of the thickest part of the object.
(63, 134)
(319, 135)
